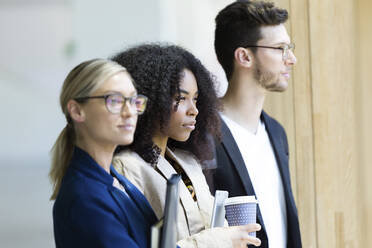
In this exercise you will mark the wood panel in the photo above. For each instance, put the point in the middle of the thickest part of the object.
(322, 118)
(302, 94)
(333, 71)
(364, 117)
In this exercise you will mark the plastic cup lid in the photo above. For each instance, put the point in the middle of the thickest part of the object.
(240, 200)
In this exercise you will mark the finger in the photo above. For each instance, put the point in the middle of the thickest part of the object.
(246, 238)
(252, 227)
(253, 241)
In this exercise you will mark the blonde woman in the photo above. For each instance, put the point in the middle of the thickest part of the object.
(94, 205)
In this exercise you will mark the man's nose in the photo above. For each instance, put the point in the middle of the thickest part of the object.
(292, 60)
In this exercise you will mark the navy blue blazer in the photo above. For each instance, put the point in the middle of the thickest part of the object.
(231, 174)
(90, 212)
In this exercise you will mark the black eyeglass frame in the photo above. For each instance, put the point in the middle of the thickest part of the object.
(285, 48)
(106, 96)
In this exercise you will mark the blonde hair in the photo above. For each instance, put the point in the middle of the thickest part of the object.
(82, 81)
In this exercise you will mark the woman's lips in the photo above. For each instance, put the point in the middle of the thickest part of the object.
(190, 125)
(127, 127)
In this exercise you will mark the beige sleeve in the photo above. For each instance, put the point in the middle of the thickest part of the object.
(125, 167)
(215, 237)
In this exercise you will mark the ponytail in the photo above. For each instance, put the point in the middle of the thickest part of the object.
(61, 155)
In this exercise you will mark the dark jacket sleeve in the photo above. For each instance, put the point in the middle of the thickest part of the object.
(93, 224)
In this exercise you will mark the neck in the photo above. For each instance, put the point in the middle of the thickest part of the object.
(243, 102)
(102, 154)
(161, 141)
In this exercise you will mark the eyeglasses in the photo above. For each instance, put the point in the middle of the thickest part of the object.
(116, 102)
(285, 49)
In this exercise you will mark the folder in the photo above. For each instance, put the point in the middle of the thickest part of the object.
(164, 233)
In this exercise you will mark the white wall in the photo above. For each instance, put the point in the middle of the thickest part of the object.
(40, 41)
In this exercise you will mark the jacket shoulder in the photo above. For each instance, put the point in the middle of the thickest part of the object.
(186, 156)
(133, 167)
(127, 159)
(270, 121)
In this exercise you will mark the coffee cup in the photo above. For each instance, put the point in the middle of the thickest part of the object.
(241, 210)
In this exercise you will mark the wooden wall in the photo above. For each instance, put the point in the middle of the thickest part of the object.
(364, 114)
(327, 115)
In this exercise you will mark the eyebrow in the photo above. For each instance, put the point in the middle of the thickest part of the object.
(133, 93)
(281, 43)
(186, 92)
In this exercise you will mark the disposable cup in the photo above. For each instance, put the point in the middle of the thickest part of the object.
(241, 210)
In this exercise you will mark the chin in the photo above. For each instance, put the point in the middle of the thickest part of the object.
(126, 140)
(277, 87)
(182, 138)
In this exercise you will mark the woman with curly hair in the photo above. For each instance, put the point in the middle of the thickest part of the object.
(173, 136)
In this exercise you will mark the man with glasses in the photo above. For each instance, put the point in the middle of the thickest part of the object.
(256, 53)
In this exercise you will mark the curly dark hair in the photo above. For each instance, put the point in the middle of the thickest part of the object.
(238, 25)
(157, 70)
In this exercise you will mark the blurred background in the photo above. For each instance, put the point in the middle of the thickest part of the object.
(326, 110)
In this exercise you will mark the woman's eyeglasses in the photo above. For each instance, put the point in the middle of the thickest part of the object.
(115, 102)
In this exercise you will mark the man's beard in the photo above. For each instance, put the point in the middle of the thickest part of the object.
(267, 79)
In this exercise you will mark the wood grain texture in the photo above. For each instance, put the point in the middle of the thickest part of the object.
(323, 112)
(364, 117)
(302, 95)
(332, 42)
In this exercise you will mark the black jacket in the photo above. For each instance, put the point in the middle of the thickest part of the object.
(231, 175)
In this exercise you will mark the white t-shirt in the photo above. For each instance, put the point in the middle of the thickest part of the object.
(259, 158)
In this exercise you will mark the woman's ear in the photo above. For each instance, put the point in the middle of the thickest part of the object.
(243, 57)
(75, 111)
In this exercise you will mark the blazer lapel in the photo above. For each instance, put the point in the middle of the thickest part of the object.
(137, 197)
(165, 168)
(281, 155)
(280, 147)
(232, 149)
(277, 143)
(190, 207)
(193, 170)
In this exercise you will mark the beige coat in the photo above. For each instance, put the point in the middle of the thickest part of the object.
(193, 217)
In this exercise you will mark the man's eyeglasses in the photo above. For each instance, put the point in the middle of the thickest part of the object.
(115, 102)
(285, 49)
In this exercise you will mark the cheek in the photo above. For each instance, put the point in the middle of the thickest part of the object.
(107, 122)
(176, 118)
(135, 119)
(173, 126)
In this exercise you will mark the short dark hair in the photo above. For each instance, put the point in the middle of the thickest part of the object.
(157, 70)
(238, 25)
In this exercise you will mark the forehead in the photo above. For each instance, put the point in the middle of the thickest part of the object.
(120, 82)
(274, 34)
(188, 81)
